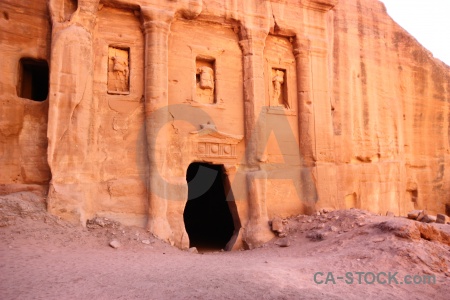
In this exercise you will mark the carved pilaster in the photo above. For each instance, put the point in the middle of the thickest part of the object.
(252, 44)
(156, 24)
(305, 104)
(315, 111)
(156, 27)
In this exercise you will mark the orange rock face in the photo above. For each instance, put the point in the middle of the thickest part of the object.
(279, 107)
(390, 114)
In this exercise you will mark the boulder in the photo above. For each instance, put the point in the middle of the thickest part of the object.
(414, 214)
(441, 218)
(421, 215)
(428, 219)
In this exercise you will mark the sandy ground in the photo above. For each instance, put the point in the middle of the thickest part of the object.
(42, 257)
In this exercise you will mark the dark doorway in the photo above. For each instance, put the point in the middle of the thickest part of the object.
(207, 216)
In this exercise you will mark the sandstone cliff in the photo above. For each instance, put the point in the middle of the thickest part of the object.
(305, 104)
(391, 116)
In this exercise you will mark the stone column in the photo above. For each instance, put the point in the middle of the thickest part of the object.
(252, 44)
(315, 109)
(156, 26)
(305, 105)
(167, 195)
(257, 229)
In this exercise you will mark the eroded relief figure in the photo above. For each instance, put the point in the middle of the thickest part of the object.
(278, 81)
(118, 73)
(206, 78)
(120, 65)
(205, 85)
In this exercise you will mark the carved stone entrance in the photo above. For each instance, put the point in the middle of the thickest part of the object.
(207, 216)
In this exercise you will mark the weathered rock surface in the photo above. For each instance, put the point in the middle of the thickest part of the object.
(24, 32)
(306, 105)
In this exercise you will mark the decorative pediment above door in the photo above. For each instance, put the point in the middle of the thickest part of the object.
(208, 142)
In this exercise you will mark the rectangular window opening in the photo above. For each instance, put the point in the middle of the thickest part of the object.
(34, 79)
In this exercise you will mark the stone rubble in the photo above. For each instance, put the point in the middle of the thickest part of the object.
(424, 217)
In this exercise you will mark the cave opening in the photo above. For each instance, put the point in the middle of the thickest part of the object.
(207, 216)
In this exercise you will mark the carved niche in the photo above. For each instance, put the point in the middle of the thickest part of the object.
(118, 71)
(279, 95)
(280, 76)
(205, 81)
(208, 142)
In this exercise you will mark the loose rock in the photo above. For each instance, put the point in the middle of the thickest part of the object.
(441, 218)
(284, 242)
(428, 219)
(421, 215)
(277, 224)
(193, 250)
(115, 244)
(316, 236)
(414, 214)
